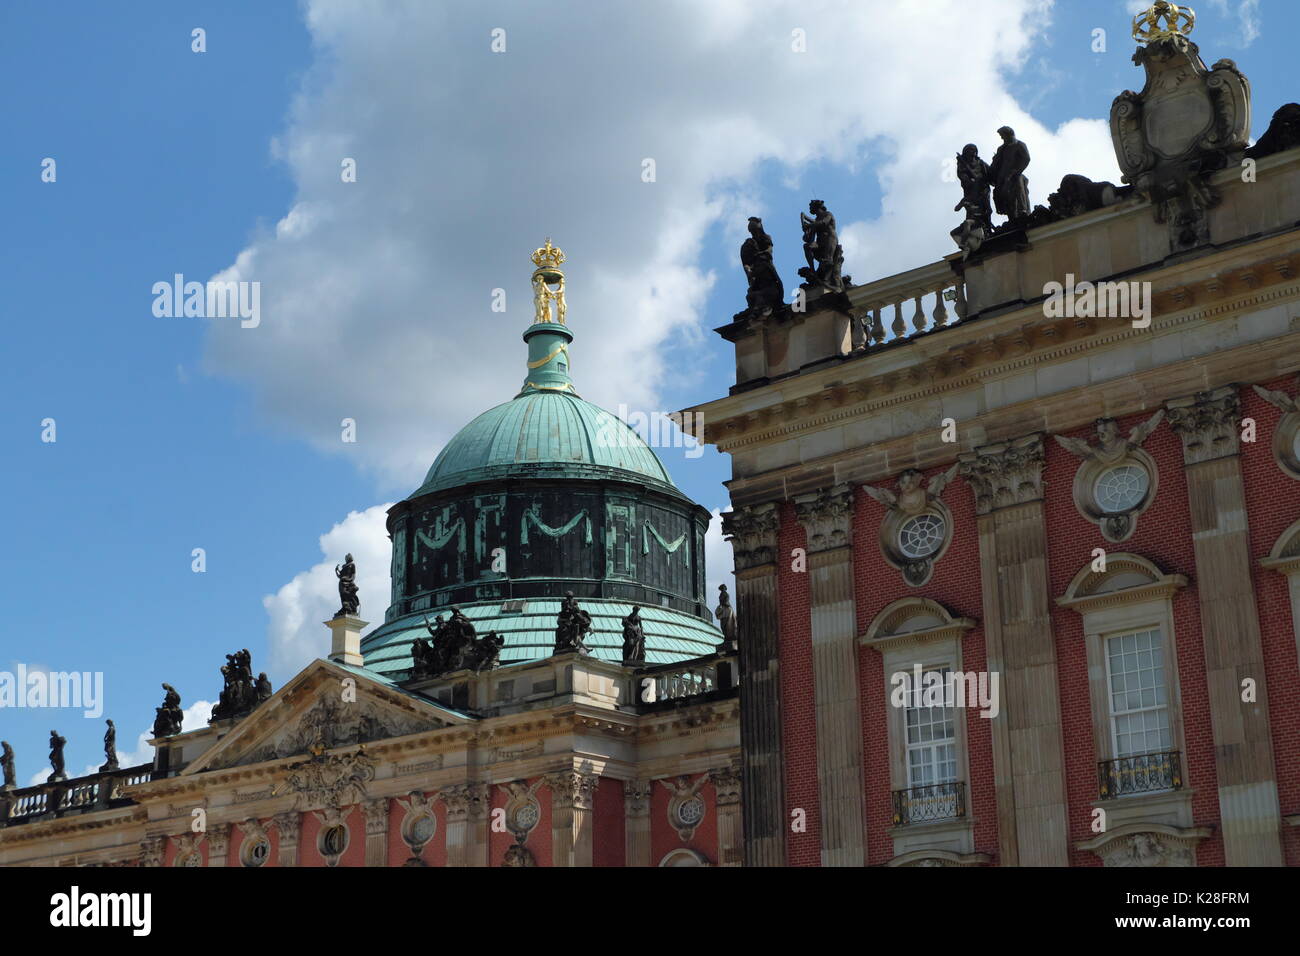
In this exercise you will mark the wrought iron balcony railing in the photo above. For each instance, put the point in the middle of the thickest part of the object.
(1141, 773)
(940, 801)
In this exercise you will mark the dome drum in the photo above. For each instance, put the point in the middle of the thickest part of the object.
(520, 538)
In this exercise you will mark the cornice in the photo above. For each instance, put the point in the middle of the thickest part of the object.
(18, 833)
(936, 363)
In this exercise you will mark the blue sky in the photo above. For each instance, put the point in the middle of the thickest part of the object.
(175, 434)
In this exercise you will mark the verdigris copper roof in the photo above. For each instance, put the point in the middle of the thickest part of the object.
(530, 634)
(545, 434)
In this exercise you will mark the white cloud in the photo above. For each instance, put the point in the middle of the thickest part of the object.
(1249, 24)
(297, 611)
(376, 294)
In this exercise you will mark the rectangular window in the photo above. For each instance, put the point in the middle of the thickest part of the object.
(1139, 696)
(931, 734)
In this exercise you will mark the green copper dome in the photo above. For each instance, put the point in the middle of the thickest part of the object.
(545, 434)
(543, 496)
(546, 431)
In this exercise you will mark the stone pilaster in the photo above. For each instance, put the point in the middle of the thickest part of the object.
(636, 822)
(727, 786)
(1028, 749)
(218, 843)
(1208, 424)
(753, 533)
(827, 515)
(572, 795)
(477, 823)
(288, 826)
(151, 850)
(457, 800)
(376, 816)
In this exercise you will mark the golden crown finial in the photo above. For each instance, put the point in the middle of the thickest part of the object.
(548, 256)
(548, 285)
(1177, 22)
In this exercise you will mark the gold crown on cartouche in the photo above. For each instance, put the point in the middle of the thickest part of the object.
(548, 257)
(1177, 22)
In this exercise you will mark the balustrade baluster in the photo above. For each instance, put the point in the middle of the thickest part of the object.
(940, 310)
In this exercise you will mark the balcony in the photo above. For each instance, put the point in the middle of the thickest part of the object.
(940, 801)
(1141, 773)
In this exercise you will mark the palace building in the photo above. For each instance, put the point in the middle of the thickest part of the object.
(1017, 570)
(572, 702)
(1087, 514)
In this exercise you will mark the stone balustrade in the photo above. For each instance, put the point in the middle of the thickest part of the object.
(920, 300)
(686, 680)
(98, 791)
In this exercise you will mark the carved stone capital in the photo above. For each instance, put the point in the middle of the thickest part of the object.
(827, 515)
(726, 782)
(636, 798)
(752, 530)
(572, 788)
(376, 814)
(218, 840)
(458, 800)
(288, 825)
(1005, 474)
(1207, 422)
(151, 851)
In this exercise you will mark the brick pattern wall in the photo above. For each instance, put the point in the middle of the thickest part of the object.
(1163, 536)
(956, 585)
(609, 846)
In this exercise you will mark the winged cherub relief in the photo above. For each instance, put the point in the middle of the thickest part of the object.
(1116, 481)
(1111, 448)
(911, 499)
(916, 525)
(1286, 436)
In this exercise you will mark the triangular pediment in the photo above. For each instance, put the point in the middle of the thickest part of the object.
(325, 706)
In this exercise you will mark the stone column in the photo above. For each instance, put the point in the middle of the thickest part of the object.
(477, 823)
(218, 843)
(726, 784)
(288, 826)
(457, 799)
(1250, 815)
(828, 517)
(572, 795)
(636, 822)
(753, 533)
(1028, 750)
(376, 816)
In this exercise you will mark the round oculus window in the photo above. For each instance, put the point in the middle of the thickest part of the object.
(526, 816)
(1122, 488)
(256, 852)
(690, 812)
(921, 535)
(422, 828)
(333, 840)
